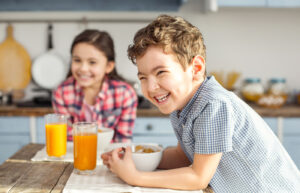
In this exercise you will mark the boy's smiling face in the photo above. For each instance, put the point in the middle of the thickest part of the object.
(164, 82)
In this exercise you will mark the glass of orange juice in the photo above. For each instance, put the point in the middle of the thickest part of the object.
(85, 147)
(56, 136)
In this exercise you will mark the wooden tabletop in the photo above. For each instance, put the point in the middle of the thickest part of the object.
(285, 111)
(20, 174)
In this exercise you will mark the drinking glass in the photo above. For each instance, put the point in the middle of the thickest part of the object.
(85, 147)
(56, 136)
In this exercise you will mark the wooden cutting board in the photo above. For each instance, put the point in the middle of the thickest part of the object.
(15, 64)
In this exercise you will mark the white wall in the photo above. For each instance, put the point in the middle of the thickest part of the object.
(258, 42)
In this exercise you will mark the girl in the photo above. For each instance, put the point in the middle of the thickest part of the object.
(94, 91)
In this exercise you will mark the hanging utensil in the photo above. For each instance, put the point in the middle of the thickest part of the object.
(48, 69)
(15, 64)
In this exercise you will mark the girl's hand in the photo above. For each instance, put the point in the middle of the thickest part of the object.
(123, 166)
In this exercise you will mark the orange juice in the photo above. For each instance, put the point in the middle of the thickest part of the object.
(56, 139)
(85, 151)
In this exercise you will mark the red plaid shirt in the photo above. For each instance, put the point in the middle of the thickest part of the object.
(115, 106)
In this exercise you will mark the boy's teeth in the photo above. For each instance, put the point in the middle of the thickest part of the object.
(161, 98)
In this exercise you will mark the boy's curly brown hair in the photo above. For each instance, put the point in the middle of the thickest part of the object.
(173, 34)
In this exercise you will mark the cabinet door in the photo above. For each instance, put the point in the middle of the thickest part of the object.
(154, 130)
(283, 3)
(292, 145)
(272, 122)
(291, 138)
(40, 130)
(242, 3)
(14, 133)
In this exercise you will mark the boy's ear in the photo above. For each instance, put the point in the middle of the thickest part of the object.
(198, 65)
(109, 67)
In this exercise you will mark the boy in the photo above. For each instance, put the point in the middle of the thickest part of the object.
(221, 140)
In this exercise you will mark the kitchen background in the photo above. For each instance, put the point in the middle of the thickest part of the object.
(257, 38)
(260, 41)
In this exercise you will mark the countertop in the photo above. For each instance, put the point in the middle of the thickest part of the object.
(20, 174)
(284, 111)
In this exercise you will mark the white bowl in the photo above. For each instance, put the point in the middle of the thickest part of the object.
(105, 136)
(147, 161)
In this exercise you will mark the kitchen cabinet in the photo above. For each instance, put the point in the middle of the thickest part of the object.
(154, 130)
(291, 138)
(259, 3)
(283, 3)
(19, 126)
(40, 131)
(243, 3)
(290, 135)
(14, 133)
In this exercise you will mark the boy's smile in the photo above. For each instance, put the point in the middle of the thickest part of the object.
(164, 82)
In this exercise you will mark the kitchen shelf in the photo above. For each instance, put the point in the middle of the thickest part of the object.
(285, 111)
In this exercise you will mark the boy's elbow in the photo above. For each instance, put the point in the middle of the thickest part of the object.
(200, 186)
(198, 183)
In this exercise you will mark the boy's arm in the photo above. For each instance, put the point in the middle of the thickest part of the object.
(173, 157)
(194, 177)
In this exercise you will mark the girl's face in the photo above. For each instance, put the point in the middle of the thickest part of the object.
(89, 65)
(164, 82)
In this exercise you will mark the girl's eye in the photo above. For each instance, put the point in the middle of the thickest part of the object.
(92, 62)
(76, 60)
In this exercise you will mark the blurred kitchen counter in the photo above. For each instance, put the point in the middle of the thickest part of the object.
(284, 111)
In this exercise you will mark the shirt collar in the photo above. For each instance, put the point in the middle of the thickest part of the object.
(103, 91)
(104, 88)
(183, 113)
(78, 88)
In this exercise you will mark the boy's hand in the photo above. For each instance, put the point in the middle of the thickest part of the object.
(105, 157)
(123, 166)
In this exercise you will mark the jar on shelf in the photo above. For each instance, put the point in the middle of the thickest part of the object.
(277, 86)
(252, 89)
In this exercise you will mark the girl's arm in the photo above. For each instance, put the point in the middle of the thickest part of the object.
(58, 105)
(58, 102)
(194, 177)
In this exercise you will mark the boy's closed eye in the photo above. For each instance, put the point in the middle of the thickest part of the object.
(141, 78)
(160, 72)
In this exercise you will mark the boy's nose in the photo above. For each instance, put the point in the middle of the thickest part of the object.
(152, 84)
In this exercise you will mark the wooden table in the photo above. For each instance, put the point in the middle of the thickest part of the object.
(20, 174)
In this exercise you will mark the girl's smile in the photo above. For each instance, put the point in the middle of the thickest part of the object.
(89, 66)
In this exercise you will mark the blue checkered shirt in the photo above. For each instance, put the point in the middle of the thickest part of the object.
(216, 120)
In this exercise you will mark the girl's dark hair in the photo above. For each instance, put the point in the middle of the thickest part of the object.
(103, 42)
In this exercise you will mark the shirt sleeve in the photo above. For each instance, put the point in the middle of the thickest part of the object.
(58, 103)
(213, 128)
(127, 118)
